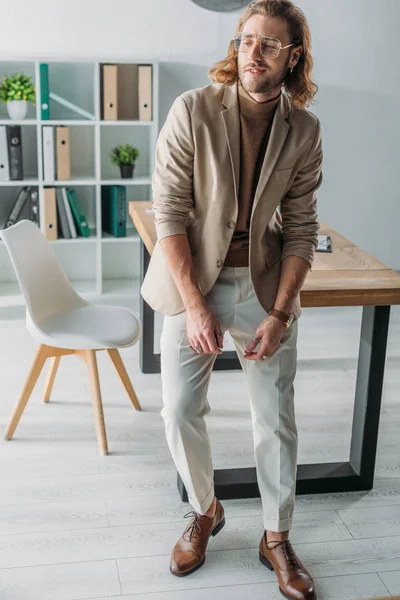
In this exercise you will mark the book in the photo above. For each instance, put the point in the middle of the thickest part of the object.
(17, 207)
(77, 212)
(68, 212)
(4, 165)
(49, 170)
(44, 92)
(62, 219)
(113, 210)
(14, 143)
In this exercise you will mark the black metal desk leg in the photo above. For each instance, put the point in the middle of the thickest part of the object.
(149, 362)
(358, 472)
(367, 405)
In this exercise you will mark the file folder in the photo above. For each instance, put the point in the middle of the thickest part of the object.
(14, 141)
(145, 93)
(48, 216)
(63, 154)
(34, 213)
(4, 166)
(113, 212)
(62, 219)
(79, 216)
(127, 94)
(110, 92)
(44, 92)
(68, 212)
(49, 171)
(17, 207)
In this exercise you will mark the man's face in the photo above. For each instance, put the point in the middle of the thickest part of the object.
(270, 71)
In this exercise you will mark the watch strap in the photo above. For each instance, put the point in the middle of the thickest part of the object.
(282, 316)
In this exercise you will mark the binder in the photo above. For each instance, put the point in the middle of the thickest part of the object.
(34, 213)
(14, 143)
(110, 92)
(68, 212)
(17, 207)
(127, 94)
(44, 92)
(4, 165)
(63, 153)
(62, 216)
(48, 216)
(113, 210)
(49, 171)
(145, 92)
(79, 216)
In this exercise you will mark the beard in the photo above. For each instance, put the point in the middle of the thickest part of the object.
(264, 83)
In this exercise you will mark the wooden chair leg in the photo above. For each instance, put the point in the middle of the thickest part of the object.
(36, 368)
(91, 361)
(54, 362)
(123, 375)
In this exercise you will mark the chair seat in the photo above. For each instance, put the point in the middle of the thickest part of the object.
(88, 327)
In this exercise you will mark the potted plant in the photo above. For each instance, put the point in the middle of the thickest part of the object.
(124, 157)
(16, 91)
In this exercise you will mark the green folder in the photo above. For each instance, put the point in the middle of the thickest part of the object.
(114, 210)
(77, 213)
(44, 92)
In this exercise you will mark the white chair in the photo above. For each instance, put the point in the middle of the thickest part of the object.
(64, 323)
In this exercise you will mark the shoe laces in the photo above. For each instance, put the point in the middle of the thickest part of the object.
(194, 526)
(289, 554)
(288, 551)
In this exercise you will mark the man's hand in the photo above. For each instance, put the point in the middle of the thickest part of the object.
(204, 331)
(270, 334)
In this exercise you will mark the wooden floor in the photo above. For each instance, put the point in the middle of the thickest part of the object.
(75, 524)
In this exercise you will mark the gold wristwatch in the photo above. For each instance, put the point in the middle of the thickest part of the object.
(282, 316)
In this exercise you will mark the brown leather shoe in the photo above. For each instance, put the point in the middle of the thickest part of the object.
(295, 582)
(189, 553)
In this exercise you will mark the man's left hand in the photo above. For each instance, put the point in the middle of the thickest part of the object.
(270, 334)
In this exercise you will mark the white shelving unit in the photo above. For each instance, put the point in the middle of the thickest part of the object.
(100, 264)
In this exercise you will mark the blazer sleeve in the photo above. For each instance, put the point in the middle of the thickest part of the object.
(299, 207)
(172, 180)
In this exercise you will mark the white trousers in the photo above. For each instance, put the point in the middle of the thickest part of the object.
(185, 378)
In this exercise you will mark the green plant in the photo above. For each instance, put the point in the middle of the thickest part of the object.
(124, 154)
(17, 87)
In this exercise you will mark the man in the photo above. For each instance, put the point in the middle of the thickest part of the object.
(238, 164)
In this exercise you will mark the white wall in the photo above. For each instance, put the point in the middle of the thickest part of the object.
(357, 69)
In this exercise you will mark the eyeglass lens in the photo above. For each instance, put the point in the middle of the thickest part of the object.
(268, 47)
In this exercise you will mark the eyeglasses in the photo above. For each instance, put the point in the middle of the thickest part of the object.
(268, 46)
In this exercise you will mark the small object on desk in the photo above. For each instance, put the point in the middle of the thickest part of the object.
(324, 244)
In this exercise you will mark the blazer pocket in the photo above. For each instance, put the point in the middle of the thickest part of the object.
(273, 256)
(283, 174)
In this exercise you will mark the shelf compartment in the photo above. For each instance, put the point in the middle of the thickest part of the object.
(138, 137)
(8, 68)
(82, 162)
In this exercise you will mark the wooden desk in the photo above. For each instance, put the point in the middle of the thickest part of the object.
(346, 277)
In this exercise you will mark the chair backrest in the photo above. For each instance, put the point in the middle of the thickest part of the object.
(44, 284)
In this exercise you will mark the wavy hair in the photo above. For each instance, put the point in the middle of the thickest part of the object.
(298, 84)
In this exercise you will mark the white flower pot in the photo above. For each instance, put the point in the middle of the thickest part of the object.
(17, 109)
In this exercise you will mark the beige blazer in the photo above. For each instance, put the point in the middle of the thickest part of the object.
(196, 186)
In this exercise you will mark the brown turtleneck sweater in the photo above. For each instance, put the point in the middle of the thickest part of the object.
(255, 127)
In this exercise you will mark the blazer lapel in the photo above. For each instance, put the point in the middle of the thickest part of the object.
(232, 131)
(279, 131)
